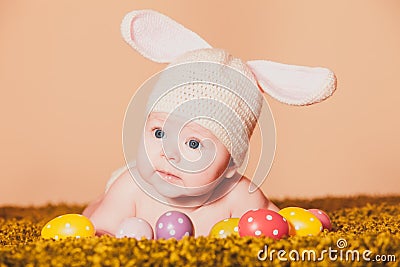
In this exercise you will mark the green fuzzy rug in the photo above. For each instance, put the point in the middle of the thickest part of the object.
(365, 226)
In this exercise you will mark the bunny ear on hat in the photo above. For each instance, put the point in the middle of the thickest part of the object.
(293, 85)
(157, 37)
(161, 39)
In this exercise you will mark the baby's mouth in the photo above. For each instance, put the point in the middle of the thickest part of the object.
(169, 177)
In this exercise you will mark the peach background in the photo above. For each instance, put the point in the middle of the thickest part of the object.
(66, 78)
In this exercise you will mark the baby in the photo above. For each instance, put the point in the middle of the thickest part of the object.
(200, 116)
(185, 161)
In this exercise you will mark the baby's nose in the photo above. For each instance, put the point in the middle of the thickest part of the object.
(170, 151)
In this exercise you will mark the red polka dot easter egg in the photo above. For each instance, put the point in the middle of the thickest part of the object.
(323, 217)
(263, 222)
(174, 224)
(301, 221)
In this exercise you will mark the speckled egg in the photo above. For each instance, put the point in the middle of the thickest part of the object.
(301, 221)
(323, 217)
(134, 227)
(174, 224)
(68, 225)
(263, 222)
(224, 228)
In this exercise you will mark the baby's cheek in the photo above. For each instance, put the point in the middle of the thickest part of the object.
(146, 152)
(140, 157)
(146, 170)
(199, 179)
(189, 154)
(144, 165)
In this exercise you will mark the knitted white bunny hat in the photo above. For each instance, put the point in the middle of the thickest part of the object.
(163, 40)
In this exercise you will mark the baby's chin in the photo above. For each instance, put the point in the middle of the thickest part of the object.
(183, 199)
(161, 190)
(171, 192)
(176, 190)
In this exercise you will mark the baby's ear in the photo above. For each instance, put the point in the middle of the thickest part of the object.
(158, 37)
(293, 85)
(231, 169)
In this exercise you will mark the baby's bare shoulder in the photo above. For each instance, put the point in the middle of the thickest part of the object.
(124, 184)
(241, 200)
(242, 188)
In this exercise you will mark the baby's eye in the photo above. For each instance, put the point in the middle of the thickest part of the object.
(194, 144)
(159, 133)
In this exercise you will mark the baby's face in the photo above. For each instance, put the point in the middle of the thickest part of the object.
(180, 159)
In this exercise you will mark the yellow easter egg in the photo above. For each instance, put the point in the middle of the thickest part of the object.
(68, 225)
(225, 227)
(301, 221)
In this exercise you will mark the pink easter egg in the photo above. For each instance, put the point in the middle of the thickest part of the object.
(323, 217)
(174, 224)
(135, 228)
(263, 222)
